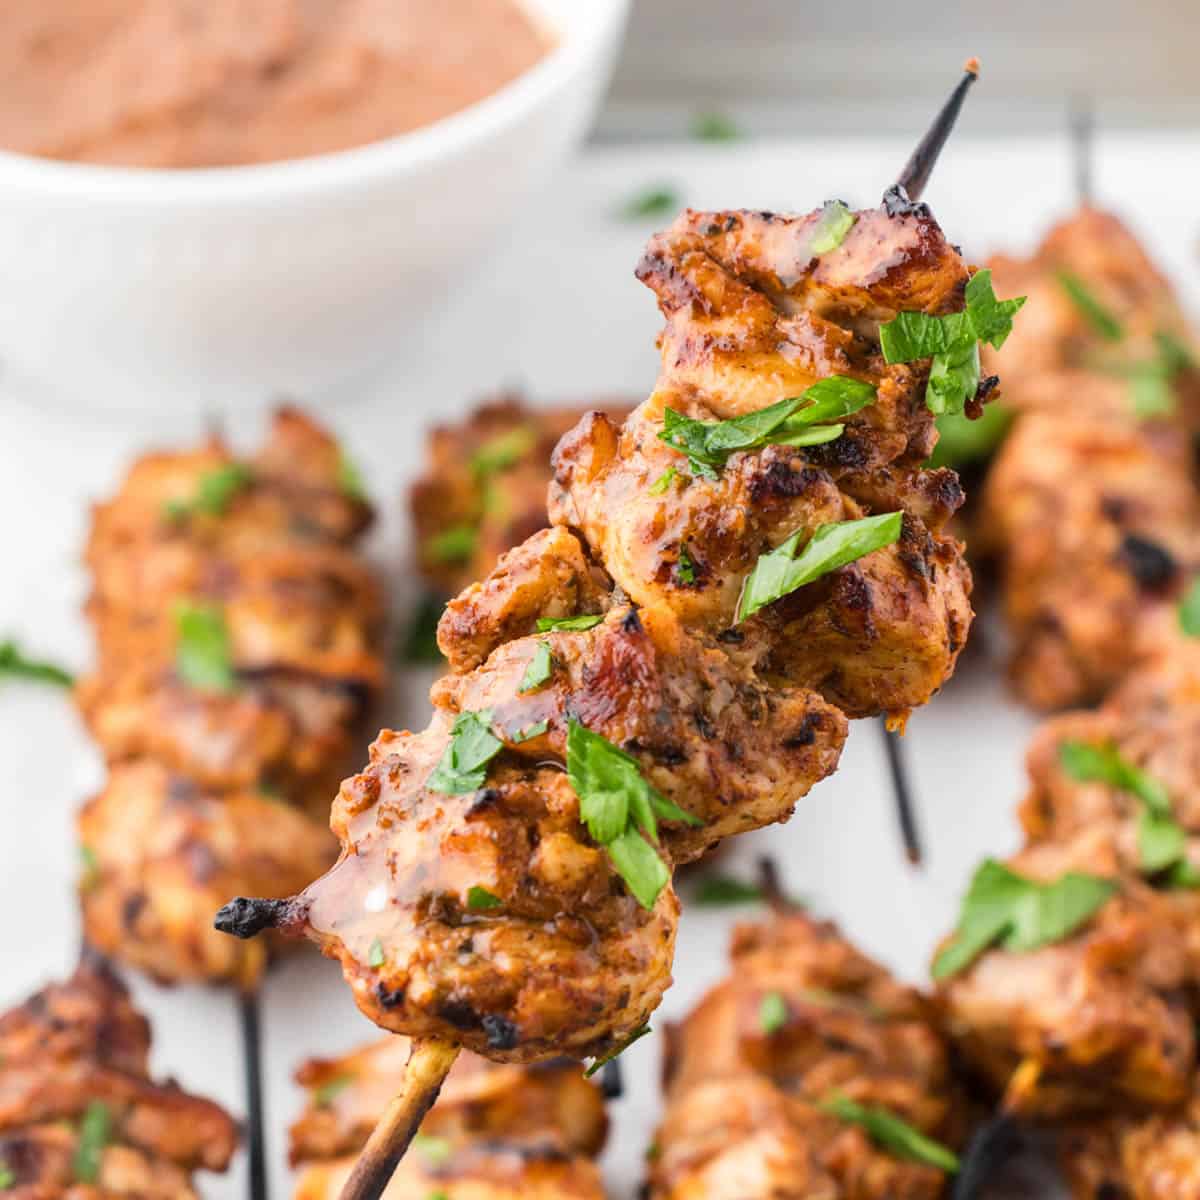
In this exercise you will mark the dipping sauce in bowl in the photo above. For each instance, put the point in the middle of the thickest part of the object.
(195, 83)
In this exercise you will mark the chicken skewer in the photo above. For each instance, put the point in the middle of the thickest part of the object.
(486, 898)
(237, 655)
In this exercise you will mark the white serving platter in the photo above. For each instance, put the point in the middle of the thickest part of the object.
(559, 312)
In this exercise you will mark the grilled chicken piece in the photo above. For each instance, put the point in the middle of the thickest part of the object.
(1056, 350)
(725, 722)
(81, 1045)
(1094, 524)
(484, 487)
(495, 1131)
(161, 855)
(743, 1115)
(1103, 1016)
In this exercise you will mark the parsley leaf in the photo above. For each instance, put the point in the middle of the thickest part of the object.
(772, 1013)
(327, 1092)
(597, 1063)
(350, 479)
(892, 1133)
(203, 654)
(420, 643)
(1006, 909)
(952, 341)
(89, 868)
(455, 544)
(569, 624)
(530, 731)
(464, 762)
(375, 954)
(503, 451)
(434, 1150)
(1189, 610)
(620, 809)
(962, 441)
(685, 569)
(835, 221)
(715, 127)
(663, 482)
(214, 491)
(479, 899)
(716, 891)
(1104, 324)
(540, 668)
(7, 1177)
(652, 202)
(94, 1132)
(16, 664)
(789, 422)
(780, 571)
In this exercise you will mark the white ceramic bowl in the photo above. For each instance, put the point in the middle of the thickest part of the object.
(231, 285)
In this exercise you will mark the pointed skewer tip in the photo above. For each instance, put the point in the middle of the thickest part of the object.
(971, 66)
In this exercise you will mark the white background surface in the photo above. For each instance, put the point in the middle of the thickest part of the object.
(560, 311)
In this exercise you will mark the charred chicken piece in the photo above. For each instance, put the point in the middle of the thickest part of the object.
(728, 724)
(79, 1114)
(484, 487)
(744, 1096)
(496, 1131)
(1093, 522)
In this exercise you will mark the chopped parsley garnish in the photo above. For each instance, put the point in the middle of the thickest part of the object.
(651, 202)
(636, 1036)
(621, 809)
(434, 1150)
(794, 421)
(375, 954)
(204, 652)
(1151, 393)
(835, 221)
(215, 490)
(772, 1013)
(438, 1195)
(530, 731)
(1104, 324)
(685, 569)
(94, 1131)
(952, 342)
(89, 868)
(479, 899)
(327, 1092)
(452, 545)
(7, 1177)
(540, 668)
(569, 624)
(1006, 909)
(715, 127)
(663, 482)
(781, 571)
(962, 441)
(420, 641)
(716, 891)
(1162, 841)
(16, 664)
(891, 1133)
(1189, 610)
(503, 451)
(350, 479)
(464, 762)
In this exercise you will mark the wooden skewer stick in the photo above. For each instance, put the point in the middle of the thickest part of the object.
(249, 1018)
(920, 166)
(906, 812)
(428, 1065)
(1082, 127)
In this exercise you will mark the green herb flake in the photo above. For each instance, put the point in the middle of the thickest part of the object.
(453, 545)
(781, 571)
(479, 899)
(16, 664)
(569, 624)
(530, 731)
(794, 421)
(715, 127)
(420, 645)
(94, 1132)
(503, 451)
(1104, 324)
(350, 478)
(719, 891)
(540, 668)
(636, 1036)
(325, 1094)
(7, 1177)
(375, 954)
(434, 1150)
(685, 568)
(438, 1195)
(1150, 390)
(89, 868)
(664, 481)
(1006, 909)
(835, 221)
(952, 342)
(215, 490)
(1189, 610)
(962, 441)
(204, 652)
(772, 1013)
(650, 202)
(621, 810)
(464, 762)
(891, 1133)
